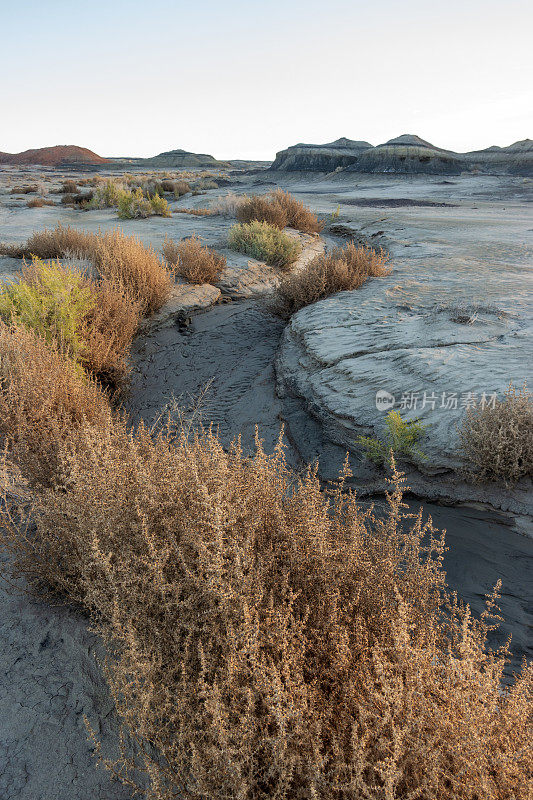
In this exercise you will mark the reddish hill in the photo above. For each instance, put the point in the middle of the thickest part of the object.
(54, 156)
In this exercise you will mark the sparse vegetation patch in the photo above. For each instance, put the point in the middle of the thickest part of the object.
(123, 260)
(267, 637)
(130, 203)
(39, 202)
(264, 242)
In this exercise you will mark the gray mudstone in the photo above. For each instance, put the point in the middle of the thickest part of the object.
(418, 334)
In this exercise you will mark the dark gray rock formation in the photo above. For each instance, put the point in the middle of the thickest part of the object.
(408, 154)
(517, 159)
(321, 157)
(405, 154)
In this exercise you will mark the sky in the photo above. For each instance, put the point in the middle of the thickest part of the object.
(244, 79)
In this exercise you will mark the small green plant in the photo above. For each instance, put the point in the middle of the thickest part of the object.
(335, 214)
(50, 300)
(264, 242)
(401, 436)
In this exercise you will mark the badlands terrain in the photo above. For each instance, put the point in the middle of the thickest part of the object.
(452, 320)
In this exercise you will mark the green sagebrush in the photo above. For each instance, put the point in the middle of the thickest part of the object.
(264, 242)
(50, 300)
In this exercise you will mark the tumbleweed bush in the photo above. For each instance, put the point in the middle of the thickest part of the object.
(279, 209)
(193, 261)
(497, 440)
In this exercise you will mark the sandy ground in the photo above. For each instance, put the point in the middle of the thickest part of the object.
(48, 674)
(49, 682)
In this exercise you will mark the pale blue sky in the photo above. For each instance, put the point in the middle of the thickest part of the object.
(245, 79)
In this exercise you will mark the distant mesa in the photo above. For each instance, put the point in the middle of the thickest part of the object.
(176, 159)
(60, 155)
(407, 154)
(72, 155)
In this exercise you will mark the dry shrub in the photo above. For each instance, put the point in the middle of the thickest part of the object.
(343, 269)
(68, 199)
(206, 184)
(280, 209)
(69, 187)
(39, 202)
(179, 188)
(83, 200)
(24, 189)
(122, 260)
(270, 641)
(108, 330)
(497, 442)
(193, 261)
(44, 396)
(170, 251)
(195, 212)
(262, 209)
(298, 215)
(54, 243)
(127, 262)
(229, 204)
